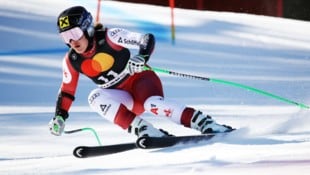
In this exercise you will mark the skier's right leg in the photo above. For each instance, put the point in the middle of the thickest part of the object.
(115, 106)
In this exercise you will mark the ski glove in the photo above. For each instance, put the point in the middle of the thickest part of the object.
(135, 64)
(57, 125)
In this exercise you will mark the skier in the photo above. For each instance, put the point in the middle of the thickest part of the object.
(125, 90)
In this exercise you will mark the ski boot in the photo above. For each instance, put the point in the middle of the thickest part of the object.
(206, 125)
(142, 128)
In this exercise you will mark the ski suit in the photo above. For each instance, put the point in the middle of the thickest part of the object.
(120, 97)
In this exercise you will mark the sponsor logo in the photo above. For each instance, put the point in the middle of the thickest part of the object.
(64, 22)
(105, 108)
(93, 97)
(114, 32)
(168, 112)
(66, 75)
(101, 62)
(127, 41)
(74, 57)
(154, 109)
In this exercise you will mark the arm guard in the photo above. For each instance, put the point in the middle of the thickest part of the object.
(62, 96)
(147, 45)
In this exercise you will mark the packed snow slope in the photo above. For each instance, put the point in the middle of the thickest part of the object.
(271, 54)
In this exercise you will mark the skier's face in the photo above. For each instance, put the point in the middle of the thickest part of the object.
(76, 39)
(80, 45)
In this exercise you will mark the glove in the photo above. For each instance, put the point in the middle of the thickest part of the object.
(57, 125)
(135, 64)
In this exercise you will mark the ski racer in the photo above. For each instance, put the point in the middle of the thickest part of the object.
(125, 90)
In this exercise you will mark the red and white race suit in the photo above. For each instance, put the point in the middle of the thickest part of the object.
(119, 96)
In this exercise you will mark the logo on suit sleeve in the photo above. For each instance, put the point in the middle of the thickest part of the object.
(66, 77)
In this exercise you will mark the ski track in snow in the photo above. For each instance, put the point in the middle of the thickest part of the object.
(272, 54)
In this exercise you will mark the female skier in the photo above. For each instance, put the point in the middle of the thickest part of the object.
(125, 90)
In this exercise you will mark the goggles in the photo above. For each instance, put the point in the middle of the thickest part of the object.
(73, 34)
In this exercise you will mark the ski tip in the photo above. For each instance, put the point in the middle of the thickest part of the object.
(141, 142)
(79, 152)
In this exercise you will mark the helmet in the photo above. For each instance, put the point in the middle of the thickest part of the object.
(76, 16)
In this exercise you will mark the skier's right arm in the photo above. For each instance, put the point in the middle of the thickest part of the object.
(65, 97)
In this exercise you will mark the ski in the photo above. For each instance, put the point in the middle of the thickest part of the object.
(142, 142)
(93, 151)
(162, 142)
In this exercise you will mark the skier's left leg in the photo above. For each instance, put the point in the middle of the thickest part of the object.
(180, 114)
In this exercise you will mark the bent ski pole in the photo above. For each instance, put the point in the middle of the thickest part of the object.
(85, 129)
(159, 70)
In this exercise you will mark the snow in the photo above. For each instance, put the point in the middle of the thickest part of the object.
(268, 53)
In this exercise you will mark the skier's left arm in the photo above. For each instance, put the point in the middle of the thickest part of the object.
(132, 40)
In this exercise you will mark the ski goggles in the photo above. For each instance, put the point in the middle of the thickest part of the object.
(73, 34)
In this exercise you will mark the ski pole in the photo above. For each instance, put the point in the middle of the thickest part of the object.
(85, 129)
(159, 70)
